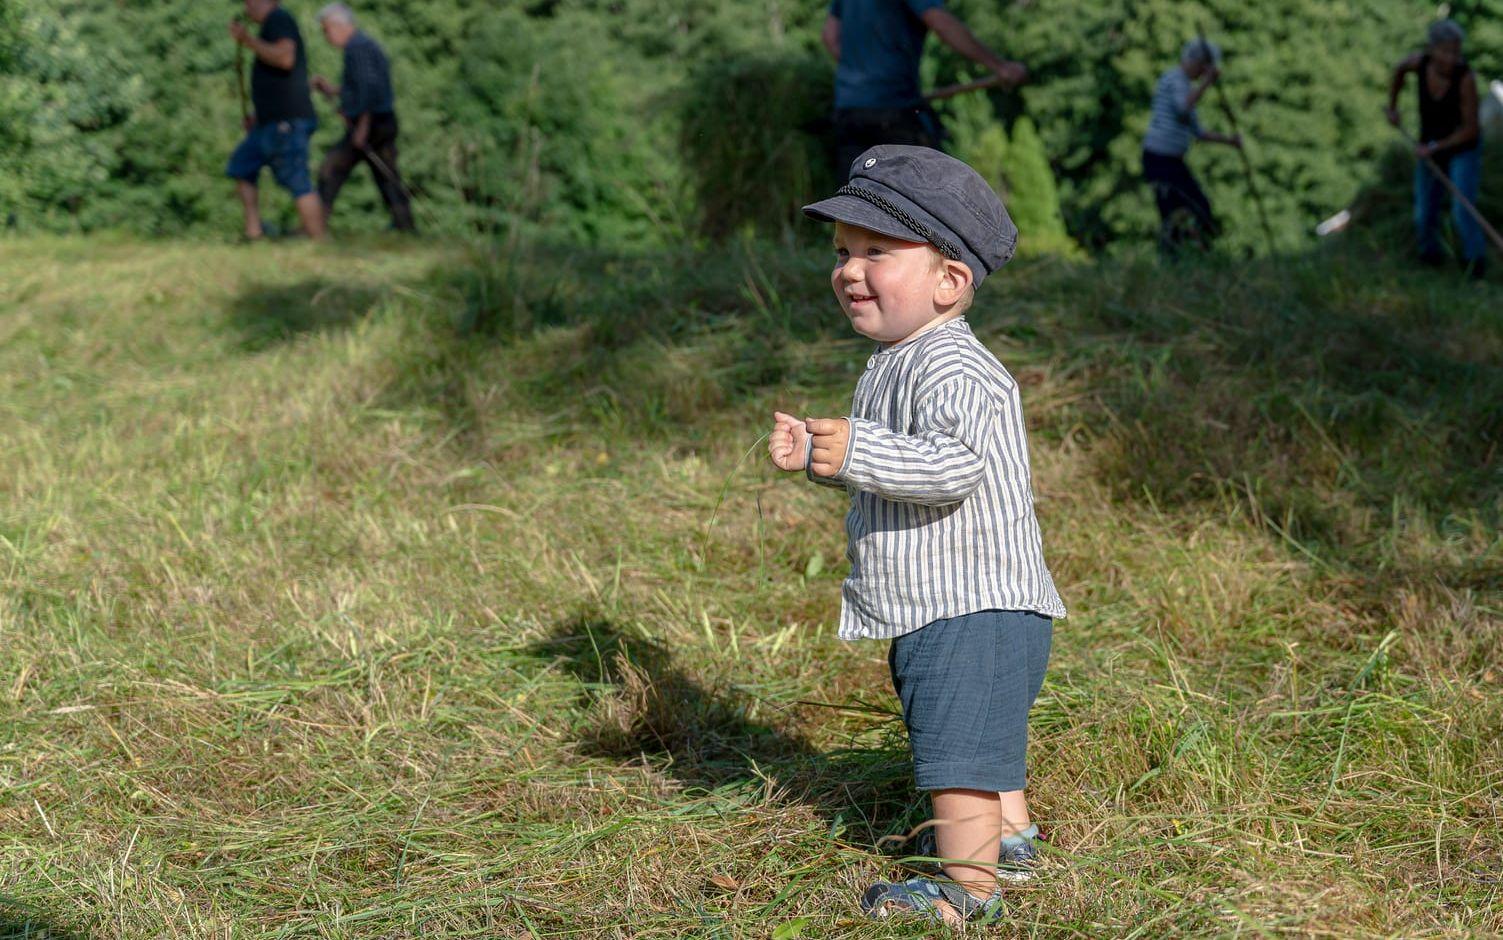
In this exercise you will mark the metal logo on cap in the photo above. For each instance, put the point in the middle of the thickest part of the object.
(870, 163)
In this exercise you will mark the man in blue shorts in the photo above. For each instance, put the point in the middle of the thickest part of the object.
(877, 45)
(277, 134)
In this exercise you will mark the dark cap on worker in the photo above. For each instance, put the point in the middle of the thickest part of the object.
(921, 195)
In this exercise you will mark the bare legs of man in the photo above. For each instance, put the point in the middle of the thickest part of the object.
(309, 209)
(250, 199)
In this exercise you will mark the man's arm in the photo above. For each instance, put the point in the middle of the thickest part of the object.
(280, 54)
(1231, 140)
(1396, 85)
(360, 70)
(1198, 90)
(324, 87)
(360, 130)
(955, 34)
(830, 36)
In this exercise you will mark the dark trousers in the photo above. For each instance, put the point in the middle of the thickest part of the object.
(859, 129)
(1176, 191)
(381, 154)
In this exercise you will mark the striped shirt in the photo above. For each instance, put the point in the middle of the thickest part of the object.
(365, 87)
(941, 521)
(1172, 127)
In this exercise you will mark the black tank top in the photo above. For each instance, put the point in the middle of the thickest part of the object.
(1441, 117)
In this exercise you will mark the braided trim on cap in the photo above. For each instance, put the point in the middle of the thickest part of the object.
(946, 247)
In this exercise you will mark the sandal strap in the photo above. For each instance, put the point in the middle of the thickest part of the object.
(926, 845)
(920, 894)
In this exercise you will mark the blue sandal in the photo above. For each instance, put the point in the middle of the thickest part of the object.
(920, 896)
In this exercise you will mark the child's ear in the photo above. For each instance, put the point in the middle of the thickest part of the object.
(954, 280)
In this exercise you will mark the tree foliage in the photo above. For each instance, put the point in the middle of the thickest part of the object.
(1307, 82)
(633, 120)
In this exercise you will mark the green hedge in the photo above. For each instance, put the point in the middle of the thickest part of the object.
(654, 120)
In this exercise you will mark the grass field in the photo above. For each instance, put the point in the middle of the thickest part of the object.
(397, 590)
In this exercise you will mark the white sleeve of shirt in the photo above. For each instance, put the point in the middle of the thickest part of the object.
(941, 463)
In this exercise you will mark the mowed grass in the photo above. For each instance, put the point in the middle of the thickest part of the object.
(398, 590)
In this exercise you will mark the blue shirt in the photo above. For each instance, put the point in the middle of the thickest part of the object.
(366, 85)
(880, 45)
(1172, 127)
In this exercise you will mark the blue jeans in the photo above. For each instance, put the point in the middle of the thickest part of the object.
(283, 146)
(1465, 171)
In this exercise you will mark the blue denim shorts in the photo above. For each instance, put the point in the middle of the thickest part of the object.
(966, 685)
(283, 146)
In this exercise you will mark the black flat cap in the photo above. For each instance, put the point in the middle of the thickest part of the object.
(921, 195)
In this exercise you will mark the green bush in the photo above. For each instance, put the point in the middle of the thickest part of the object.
(61, 106)
(1307, 81)
(650, 120)
(750, 139)
(1018, 169)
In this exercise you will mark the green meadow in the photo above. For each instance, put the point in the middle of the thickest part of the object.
(398, 590)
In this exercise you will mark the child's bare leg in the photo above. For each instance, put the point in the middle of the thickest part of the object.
(1014, 812)
(967, 826)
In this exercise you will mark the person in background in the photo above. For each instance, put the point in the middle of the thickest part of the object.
(1449, 137)
(877, 45)
(367, 105)
(1172, 127)
(277, 134)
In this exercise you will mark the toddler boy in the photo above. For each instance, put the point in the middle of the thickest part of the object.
(946, 555)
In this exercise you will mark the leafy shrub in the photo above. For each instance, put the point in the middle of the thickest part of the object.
(645, 120)
(60, 105)
(1018, 169)
(751, 139)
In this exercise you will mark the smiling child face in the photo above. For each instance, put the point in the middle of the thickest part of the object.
(889, 288)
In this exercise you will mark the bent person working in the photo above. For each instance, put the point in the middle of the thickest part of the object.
(367, 104)
(277, 134)
(1449, 137)
(1172, 127)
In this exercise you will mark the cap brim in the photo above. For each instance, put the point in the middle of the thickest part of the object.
(859, 212)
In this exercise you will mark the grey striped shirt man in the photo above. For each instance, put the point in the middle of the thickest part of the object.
(941, 521)
(1172, 127)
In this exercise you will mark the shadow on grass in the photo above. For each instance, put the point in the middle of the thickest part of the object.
(645, 706)
(18, 923)
(1328, 391)
(268, 314)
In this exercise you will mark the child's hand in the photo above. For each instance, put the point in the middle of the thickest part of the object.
(788, 442)
(831, 437)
